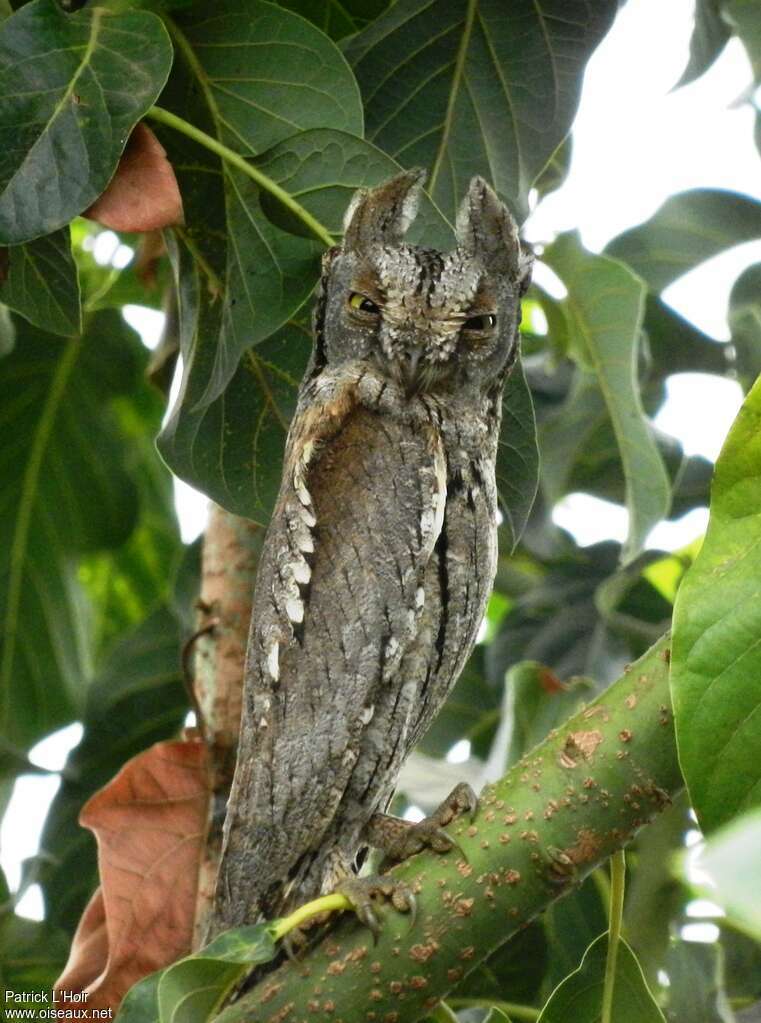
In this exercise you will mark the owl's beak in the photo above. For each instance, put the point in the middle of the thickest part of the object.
(410, 363)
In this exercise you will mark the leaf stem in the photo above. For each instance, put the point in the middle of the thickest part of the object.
(511, 1009)
(617, 884)
(325, 904)
(244, 166)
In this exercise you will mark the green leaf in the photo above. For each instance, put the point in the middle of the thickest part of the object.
(745, 19)
(686, 230)
(446, 86)
(136, 699)
(192, 990)
(337, 18)
(731, 858)
(709, 37)
(674, 345)
(716, 656)
(141, 1003)
(42, 284)
(72, 87)
(250, 74)
(579, 997)
(696, 983)
(604, 312)
(517, 456)
(65, 492)
(470, 712)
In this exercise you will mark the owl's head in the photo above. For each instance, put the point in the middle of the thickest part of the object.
(432, 321)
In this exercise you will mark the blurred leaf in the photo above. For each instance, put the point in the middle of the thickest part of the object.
(655, 895)
(565, 435)
(250, 74)
(137, 699)
(513, 973)
(445, 87)
(32, 954)
(716, 659)
(745, 324)
(42, 284)
(141, 1003)
(604, 311)
(744, 17)
(709, 37)
(66, 492)
(677, 346)
(72, 87)
(7, 331)
(127, 583)
(731, 858)
(573, 923)
(686, 230)
(696, 983)
(517, 467)
(337, 19)
(470, 712)
(535, 702)
(579, 997)
(742, 964)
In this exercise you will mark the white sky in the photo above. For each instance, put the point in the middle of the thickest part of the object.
(635, 143)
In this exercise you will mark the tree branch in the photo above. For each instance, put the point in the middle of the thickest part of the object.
(559, 813)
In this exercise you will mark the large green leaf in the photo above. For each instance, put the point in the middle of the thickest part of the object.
(337, 18)
(136, 699)
(468, 87)
(513, 973)
(604, 312)
(250, 74)
(573, 923)
(42, 284)
(686, 230)
(66, 492)
(716, 656)
(72, 86)
(579, 997)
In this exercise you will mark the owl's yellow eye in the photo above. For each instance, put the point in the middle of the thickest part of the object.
(487, 321)
(363, 304)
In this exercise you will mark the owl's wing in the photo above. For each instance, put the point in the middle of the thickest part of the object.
(337, 604)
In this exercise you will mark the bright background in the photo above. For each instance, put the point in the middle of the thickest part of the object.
(635, 143)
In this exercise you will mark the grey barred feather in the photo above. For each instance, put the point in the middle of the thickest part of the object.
(381, 552)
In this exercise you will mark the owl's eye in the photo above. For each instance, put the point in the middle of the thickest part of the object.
(487, 321)
(363, 304)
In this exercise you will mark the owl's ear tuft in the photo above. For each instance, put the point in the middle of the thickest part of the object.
(487, 231)
(381, 216)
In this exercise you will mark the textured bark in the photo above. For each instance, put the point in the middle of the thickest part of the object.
(559, 813)
(230, 557)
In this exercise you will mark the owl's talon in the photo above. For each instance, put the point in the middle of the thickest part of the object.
(364, 893)
(400, 839)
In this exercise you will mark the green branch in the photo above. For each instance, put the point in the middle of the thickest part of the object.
(559, 813)
(245, 167)
(617, 883)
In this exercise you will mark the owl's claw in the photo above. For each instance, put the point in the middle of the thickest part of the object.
(400, 839)
(364, 893)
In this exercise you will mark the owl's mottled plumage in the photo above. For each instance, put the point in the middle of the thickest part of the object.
(381, 552)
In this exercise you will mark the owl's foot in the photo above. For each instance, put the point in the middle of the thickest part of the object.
(399, 839)
(364, 894)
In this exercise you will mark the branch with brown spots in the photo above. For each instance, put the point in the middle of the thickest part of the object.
(560, 812)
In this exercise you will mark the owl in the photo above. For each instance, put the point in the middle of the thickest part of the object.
(381, 552)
